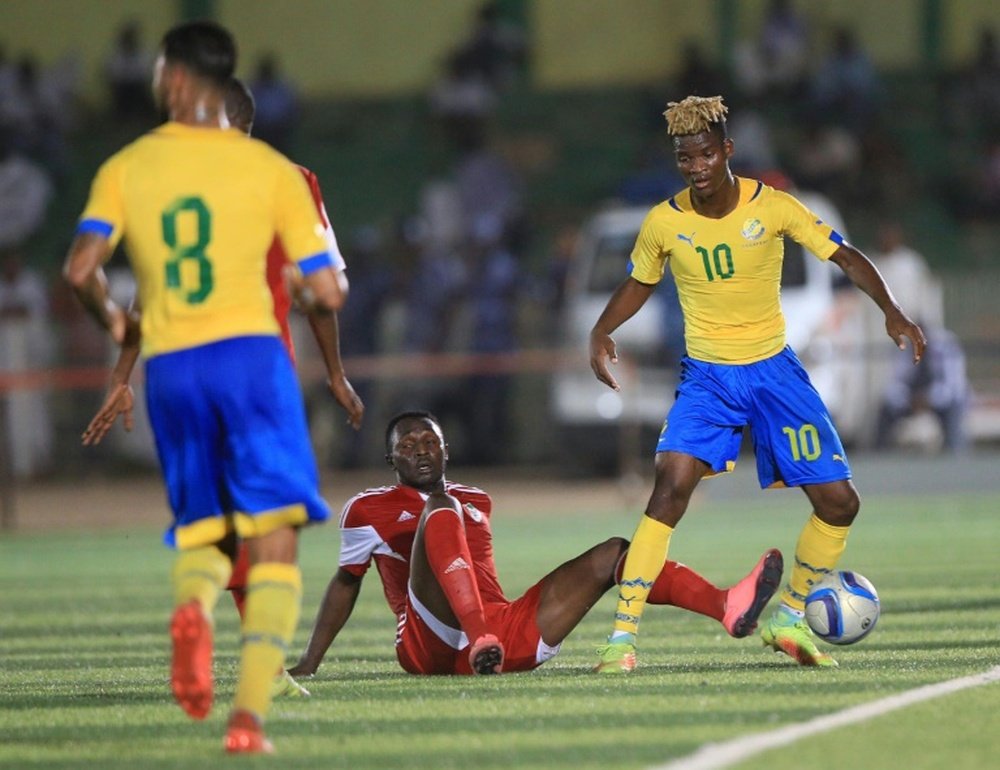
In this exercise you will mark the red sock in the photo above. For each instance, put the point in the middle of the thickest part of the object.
(680, 586)
(448, 555)
(238, 580)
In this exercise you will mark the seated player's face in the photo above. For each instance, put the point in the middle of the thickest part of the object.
(703, 161)
(419, 453)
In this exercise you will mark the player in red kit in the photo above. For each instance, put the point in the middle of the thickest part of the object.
(431, 542)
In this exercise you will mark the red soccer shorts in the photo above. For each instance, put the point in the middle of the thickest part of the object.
(422, 650)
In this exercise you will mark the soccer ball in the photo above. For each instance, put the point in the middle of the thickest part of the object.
(842, 608)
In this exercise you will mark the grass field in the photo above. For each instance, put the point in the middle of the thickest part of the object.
(84, 653)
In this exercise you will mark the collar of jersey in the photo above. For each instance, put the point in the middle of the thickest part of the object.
(173, 128)
(749, 189)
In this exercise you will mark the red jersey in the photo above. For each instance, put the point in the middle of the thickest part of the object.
(277, 259)
(379, 524)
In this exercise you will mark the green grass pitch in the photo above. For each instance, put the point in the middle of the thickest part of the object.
(84, 656)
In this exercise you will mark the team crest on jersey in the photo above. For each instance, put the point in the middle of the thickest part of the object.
(474, 513)
(753, 229)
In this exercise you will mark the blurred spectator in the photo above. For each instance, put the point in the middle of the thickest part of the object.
(827, 158)
(493, 295)
(462, 100)
(128, 69)
(496, 48)
(25, 191)
(277, 113)
(697, 75)
(907, 272)
(25, 345)
(845, 86)
(558, 274)
(488, 186)
(974, 90)
(752, 137)
(655, 177)
(434, 288)
(773, 65)
(937, 385)
(360, 321)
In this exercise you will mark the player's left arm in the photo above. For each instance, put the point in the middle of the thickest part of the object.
(84, 271)
(863, 274)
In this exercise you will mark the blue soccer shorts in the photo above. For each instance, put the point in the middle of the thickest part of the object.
(793, 436)
(232, 439)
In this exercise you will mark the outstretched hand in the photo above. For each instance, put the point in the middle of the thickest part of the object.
(119, 401)
(603, 352)
(343, 391)
(901, 328)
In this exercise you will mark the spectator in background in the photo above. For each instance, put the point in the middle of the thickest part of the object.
(772, 67)
(497, 49)
(559, 274)
(25, 345)
(907, 272)
(25, 191)
(493, 295)
(698, 75)
(462, 100)
(937, 385)
(128, 69)
(846, 84)
(975, 89)
(827, 158)
(360, 321)
(277, 104)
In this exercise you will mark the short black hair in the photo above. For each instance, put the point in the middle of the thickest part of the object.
(240, 105)
(206, 48)
(416, 414)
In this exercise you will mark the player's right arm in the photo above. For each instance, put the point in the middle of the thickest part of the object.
(120, 398)
(647, 262)
(84, 271)
(334, 612)
(624, 303)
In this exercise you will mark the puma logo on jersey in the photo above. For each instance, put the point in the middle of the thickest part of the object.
(838, 458)
(685, 238)
(406, 516)
(456, 565)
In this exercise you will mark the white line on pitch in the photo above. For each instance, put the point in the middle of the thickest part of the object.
(713, 756)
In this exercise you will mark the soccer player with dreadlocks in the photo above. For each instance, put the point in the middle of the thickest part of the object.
(722, 240)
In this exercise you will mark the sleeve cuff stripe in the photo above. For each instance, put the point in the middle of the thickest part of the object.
(97, 226)
(315, 262)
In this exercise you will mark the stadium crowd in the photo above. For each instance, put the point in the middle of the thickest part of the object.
(478, 264)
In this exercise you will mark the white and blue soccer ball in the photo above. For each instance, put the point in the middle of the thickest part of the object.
(842, 608)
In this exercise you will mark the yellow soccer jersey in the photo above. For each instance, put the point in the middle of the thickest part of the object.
(728, 270)
(198, 209)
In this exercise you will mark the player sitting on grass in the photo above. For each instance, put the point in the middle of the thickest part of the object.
(431, 542)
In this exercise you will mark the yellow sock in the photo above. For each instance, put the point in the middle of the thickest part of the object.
(816, 554)
(643, 563)
(202, 574)
(274, 596)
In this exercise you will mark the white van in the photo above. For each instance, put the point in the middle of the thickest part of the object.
(589, 413)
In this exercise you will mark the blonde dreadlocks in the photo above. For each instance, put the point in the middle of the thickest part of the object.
(694, 114)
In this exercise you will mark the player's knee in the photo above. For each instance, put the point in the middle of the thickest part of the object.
(840, 508)
(605, 559)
